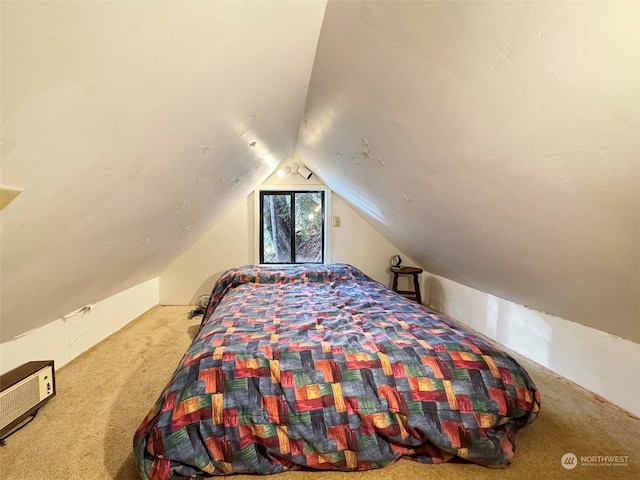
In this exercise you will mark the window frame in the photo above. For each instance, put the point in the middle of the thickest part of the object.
(291, 189)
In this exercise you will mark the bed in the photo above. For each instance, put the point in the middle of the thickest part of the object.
(321, 367)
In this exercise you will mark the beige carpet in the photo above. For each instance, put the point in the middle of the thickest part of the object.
(86, 431)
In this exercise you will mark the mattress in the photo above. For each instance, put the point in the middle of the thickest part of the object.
(321, 367)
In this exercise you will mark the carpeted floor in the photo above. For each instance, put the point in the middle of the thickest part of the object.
(86, 431)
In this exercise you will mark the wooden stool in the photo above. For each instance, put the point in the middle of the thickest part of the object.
(415, 271)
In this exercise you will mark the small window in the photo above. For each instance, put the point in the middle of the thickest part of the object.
(292, 227)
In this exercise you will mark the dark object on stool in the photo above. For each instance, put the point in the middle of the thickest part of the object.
(415, 271)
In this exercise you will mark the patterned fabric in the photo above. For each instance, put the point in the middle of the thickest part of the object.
(319, 366)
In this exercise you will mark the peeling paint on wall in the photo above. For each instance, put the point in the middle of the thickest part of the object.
(365, 150)
(76, 323)
(182, 204)
(81, 312)
(76, 329)
(8, 195)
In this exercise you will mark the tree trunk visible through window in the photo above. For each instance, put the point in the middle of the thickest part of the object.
(292, 227)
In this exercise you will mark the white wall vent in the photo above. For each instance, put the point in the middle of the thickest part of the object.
(23, 391)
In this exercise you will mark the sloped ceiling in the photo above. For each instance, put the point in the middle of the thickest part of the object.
(133, 127)
(495, 142)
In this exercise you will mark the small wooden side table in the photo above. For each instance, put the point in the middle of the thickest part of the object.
(415, 271)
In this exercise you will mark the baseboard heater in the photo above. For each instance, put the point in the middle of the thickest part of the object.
(23, 391)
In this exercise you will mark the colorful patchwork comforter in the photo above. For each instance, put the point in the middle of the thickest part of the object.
(321, 367)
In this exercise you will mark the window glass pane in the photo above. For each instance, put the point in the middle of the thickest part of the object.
(276, 236)
(309, 226)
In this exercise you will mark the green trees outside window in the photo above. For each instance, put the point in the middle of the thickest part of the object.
(292, 227)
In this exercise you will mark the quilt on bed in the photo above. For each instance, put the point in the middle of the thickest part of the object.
(319, 366)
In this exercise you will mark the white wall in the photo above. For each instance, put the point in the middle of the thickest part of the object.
(597, 361)
(497, 142)
(230, 243)
(132, 128)
(66, 338)
(359, 244)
